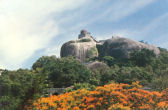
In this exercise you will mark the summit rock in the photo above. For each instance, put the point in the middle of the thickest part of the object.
(83, 49)
(86, 47)
(122, 47)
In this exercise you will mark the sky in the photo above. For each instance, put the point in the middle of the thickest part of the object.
(30, 29)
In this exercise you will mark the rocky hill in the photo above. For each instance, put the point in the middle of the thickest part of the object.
(83, 48)
(87, 47)
(122, 47)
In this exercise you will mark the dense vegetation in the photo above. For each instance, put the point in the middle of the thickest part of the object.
(109, 97)
(62, 72)
(142, 66)
(19, 89)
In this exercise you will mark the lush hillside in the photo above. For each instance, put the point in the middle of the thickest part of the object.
(21, 88)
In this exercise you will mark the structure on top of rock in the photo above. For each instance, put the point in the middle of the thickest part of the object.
(83, 34)
(83, 49)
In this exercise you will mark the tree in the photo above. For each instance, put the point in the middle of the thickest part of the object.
(109, 60)
(143, 57)
(131, 74)
(19, 88)
(63, 72)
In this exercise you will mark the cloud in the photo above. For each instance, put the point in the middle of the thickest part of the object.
(114, 10)
(55, 50)
(156, 32)
(27, 26)
(119, 32)
(125, 8)
(98, 11)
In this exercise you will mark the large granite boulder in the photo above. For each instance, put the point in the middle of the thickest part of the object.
(122, 47)
(83, 48)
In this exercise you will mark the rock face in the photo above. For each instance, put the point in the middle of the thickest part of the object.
(97, 65)
(122, 47)
(87, 47)
(83, 48)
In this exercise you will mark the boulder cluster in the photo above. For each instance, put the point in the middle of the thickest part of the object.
(86, 47)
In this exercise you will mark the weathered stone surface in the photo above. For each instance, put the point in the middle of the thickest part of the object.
(122, 47)
(97, 65)
(83, 48)
(57, 91)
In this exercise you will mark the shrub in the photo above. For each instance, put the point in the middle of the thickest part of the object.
(143, 57)
(17, 88)
(63, 72)
(108, 97)
(84, 40)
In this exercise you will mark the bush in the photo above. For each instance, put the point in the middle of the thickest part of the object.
(108, 97)
(84, 40)
(20, 88)
(63, 72)
(143, 57)
(109, 60)
(92, 53)
(86, 86)
(131, 74)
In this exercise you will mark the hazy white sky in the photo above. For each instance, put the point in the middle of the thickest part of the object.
(30, 29)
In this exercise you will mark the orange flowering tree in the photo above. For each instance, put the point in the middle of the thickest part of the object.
(108, 97)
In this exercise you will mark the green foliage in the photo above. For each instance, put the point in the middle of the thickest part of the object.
(113, 50)
(131, 74)
(63, 72)
(92, 52)
(142, 66)
(108, 76)
(100, 51)
(95, 79)
(160, 83)
(44, 61)
(17, 88)
(109, 60)
(143, 57)
(86, 86)
(9, 103)
(84, 40)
